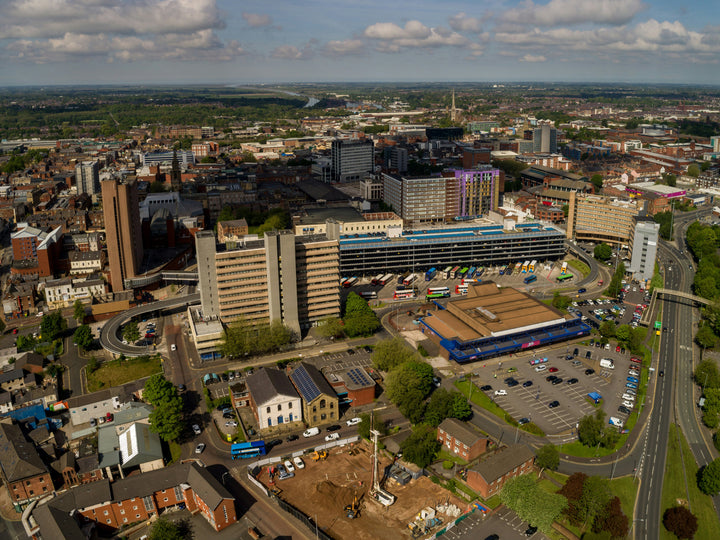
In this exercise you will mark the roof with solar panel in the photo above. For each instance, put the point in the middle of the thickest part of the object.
(356, 378)
(310, 382)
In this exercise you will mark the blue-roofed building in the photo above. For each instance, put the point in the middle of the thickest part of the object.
(319, 400)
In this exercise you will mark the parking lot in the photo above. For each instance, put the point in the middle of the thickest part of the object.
(578, 375)
(505, 523)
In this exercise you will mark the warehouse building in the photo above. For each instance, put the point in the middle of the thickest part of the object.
(490, 322)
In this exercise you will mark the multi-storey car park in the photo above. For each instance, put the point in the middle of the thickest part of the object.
(482, 245)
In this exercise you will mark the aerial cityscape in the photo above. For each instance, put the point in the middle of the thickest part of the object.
(358, 271)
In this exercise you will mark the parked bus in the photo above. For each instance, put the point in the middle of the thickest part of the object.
(480, 271)
(564, 277)
(471, 272)
(533, 264)
(465, 281)
(525, 267)
(410, 280)
(430, 274)
(402, 295)
(247, 449)
(376, 279)
(518, 268)
(432, 296)
(503, 269)
(454, 272)
(563, 268)
(432, 290)
(385, 279)
(530, 279)
(342, 281)
(462, 273)
(446, 272)
(461, 289)
(350, 282)
(368, 295)
(401, 278)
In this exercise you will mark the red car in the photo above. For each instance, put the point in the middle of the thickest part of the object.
(617, 349)
(636, 360)
(553, 370)
(15, 330)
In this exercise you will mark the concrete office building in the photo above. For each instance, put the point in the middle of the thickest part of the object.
(545, 140)
(351, 159)
(643, 244)
(121, 210)
(87, 177)
(281, 277)
(594, 218)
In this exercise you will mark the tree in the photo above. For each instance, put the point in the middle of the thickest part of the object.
(166, 420)
(79, 311)
(622, 333)
(368, 422)
(164, 529)
(613, 520)
(596, 494)
(693, 170)
(131, 333)
(407, 385)
(330, 327)
(158, 390)
(566, 209)
(597, 181)
(680, 521)
(560, 301)
(83, 336)
(523, 495)
(608, 329)
(360, 319)
(438, 408)
(572, 491)
(707, 374)
(460, 407)
(547, 457)
(602, 252)
(709, 481)
(705, 337)
(92, 365)
(242, 338)
(610, 437)
(52, 325)
(590, 428)
(389, 353)
(421, 446)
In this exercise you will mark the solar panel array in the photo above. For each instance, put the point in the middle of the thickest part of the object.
(305, 384)
(359, 377)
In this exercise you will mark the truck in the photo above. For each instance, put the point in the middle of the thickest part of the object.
(607, 363)
(430, 274)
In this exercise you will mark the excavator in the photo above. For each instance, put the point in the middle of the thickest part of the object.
(352, 510)
(319, 455)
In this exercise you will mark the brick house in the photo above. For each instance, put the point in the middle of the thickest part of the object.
(489, 475)
(23, 472)
(353, 385)
(137, 498)
(319, 400)
(460, 439)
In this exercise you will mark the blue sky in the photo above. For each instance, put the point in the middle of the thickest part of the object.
(246, 41)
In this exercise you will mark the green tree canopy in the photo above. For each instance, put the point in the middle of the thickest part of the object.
(360, 319)
(158, 390)
(83, 336)
(597, 181)
(590, 428)
(693, 170)
(52, 325)
(166, 420)
(525, 497)
(164, 529)
(330, 327)
(421, 446)
(612, 520)
(131, 332)
(707, 374)
(389, 353)
(407, 385)
(547, 457)
(705, 337)
(242, 338)
(602, 252)
(79, 311)
(709, 480)
(622, 333)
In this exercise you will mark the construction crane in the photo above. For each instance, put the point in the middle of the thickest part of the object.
(377, 493)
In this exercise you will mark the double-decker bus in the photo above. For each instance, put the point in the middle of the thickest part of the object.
(461, 289)
(530, 279)
(376, 279)
(401, 278)
(563, 268)
(342, 281)
(446, 272)
(564, 277)
(465, 281)
(525, 267)
(368, 295)
(433, 290)
(509, 270)
(533, 264)
(439, 292)
(247, 449)
(403, 294)
(385, 279)
(462, 273)
(454, 272)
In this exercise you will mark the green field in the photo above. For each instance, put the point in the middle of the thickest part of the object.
(479, 398)
(674, 488)
(119, 372)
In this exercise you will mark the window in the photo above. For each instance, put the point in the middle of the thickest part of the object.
(109, 521)
(106, 512)
(322, 403)
(122, 512)
(267, 410)
(31, 492)
(137, 515)
(279, 406)
(323, 416)
(314, 408)
(124, 520)
(165, 499)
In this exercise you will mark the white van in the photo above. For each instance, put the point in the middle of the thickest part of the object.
(541, 367)
(607, 363)
(311, 432)
(615, 422)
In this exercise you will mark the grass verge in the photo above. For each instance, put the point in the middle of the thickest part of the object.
(119, 372)
(580, 267)
(479, 398)
(674, 488)
(175, 451)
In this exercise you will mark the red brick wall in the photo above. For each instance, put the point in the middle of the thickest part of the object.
(363, 396)
(31, 487)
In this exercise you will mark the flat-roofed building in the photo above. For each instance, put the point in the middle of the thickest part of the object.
(352, 159)
(490, 322)
(643, 245)
(595, 218)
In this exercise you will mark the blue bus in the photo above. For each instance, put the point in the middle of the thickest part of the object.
(247, 449)
(530, 279)
(471, 272)
(430, 274)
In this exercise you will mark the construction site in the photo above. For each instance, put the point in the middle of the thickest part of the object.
(338, 491)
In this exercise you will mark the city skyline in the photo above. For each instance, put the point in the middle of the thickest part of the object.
(48, 42)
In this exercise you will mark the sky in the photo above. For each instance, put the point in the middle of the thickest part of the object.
(47, 42)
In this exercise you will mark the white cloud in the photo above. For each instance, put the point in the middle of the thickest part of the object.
(385, 31)
(392, 38)
(290, 52)
(257, 20)
(463, 23)
(345, 47)
(560, 12)
(533, 58)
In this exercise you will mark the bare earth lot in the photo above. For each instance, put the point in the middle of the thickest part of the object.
(323, 489)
